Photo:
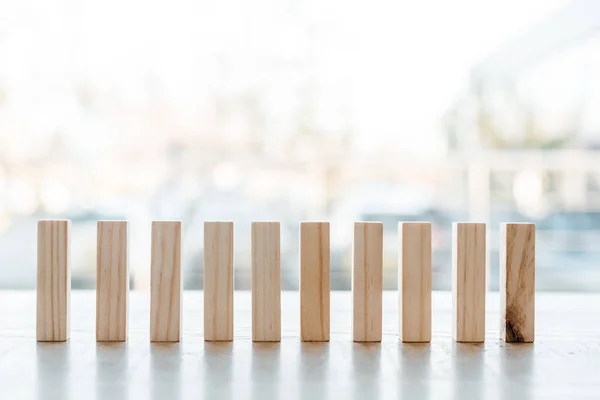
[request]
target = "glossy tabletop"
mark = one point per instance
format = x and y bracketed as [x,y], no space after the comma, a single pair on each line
[563,363]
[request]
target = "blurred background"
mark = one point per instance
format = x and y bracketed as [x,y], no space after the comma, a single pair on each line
[379,110]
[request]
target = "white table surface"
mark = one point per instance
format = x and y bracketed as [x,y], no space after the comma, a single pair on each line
[564,363]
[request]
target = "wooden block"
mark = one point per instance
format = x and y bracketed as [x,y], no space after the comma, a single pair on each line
[517,282]
[165,282]
[266,282]
[112,281]
[414,264]
[468,282]
[53,281]
[367,281]
[314,281]
[218,281]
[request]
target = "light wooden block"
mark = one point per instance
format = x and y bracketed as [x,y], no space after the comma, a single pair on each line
[218,281]
[53,281]
[266,282]
[468,282]
[165,282]
[414,283]
[367,281]
[112,281]
[517,282]
[314,281]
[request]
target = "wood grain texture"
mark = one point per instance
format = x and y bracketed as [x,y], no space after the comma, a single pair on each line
[165,282]
[314,281]
[266,282]
[414,282]
[367,282]
[112,281]
[53,281]
[468,282]
[218,281]
[517,282]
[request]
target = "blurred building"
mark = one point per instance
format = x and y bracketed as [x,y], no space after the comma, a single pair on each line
[540,90]
[531,105]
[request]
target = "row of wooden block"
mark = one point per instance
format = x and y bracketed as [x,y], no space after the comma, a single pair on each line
[517,276]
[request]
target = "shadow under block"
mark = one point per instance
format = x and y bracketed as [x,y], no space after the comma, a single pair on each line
[112,281]
[266,282]
[468,282]
[53,281]
[367,282]
[414,272]
[314,281]
[517,282]
[218,281]
[165,282]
